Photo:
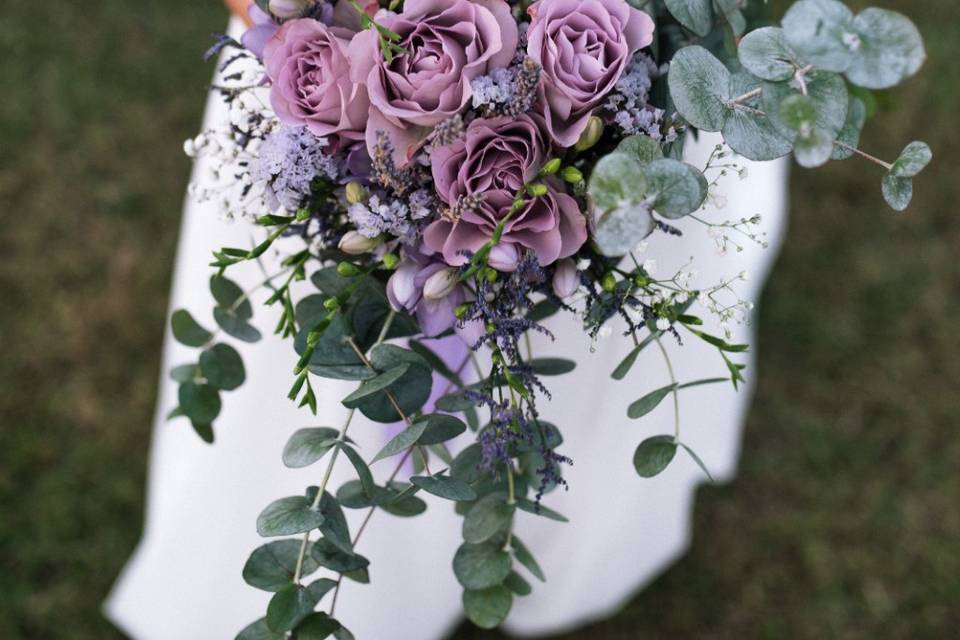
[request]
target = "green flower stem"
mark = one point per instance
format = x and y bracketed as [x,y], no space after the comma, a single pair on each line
[673,381]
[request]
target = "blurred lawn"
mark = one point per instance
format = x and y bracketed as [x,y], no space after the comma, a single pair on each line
[844,521]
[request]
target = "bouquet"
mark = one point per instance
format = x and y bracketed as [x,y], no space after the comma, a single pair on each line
[472,167]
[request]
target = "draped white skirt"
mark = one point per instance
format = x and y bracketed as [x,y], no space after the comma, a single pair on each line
[183,582]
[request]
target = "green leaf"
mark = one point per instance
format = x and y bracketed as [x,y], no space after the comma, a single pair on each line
[236,326]
[185,373]
[827,93]
[749,133]
[552,366]
[618,190]
[342,634]
[204,430]
[445,487]
[898,192]
[188,331]
[852,126]
[679,188]
[478,566]
[411,390]
[797,111]
[306,446]
[222,366]
[199,402]
[466,465]
[518,584]
[695,15]
[363,471]
[440,428]
[819,31]
[540,510]
[406,507]
[488,516]
[765,53]
[524,557]
[288,607]
[334,527]
[260,631]
[318,626]
[435,362]
[813,148]
[375,385]
[288,516]
[719,343]
[912,160]
[733,15]
[649,402]
[402,441]
[643,149]
[653,455]
[699,462]
[271,567]
[227,292]
[487,608]
[454,402]
[699,85]
[332,557]
[890,49]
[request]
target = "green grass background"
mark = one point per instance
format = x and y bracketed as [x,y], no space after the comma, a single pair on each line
[843,521]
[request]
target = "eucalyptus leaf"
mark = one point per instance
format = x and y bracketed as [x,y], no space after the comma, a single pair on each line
[912,160]
[306,446]
[889,49]
[363,471]
[699,462]
[288,607]
[643,149]
[375,385]
[445,487]
[653,455]
[849,135]
[551,366]
[223,367]
[318,626]
[679,188]
[487,608]
[699,86]
[228,294]
[402,441]
[236,326]
[478,566]
[898,192]
[488,516]
[748,130]
[199,402]
[524,557]
[540,510]
[334,527]
[411,391]
[288,516]
[332,557]
[733,15]
[813,148]
[204,430]
[440,428]
[271,567]
[765,53]
[260,631]
[649,402]
[185,373]
[188,331]
[821,31]
[617,189]
[518,584]
[827,93]
[695,15]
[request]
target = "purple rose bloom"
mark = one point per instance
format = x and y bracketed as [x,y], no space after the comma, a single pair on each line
[582,47]
[447,43]
[308,65]
[494,160]
[436,311]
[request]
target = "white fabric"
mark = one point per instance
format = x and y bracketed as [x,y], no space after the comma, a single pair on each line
[184,583]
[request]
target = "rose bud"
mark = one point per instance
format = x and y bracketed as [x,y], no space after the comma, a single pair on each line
[441,284]
[356,244]
[566,278]
[504,257]
[288,8]
[590,135]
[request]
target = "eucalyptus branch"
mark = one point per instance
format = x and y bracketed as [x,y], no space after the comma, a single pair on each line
[852,149]
[673,381]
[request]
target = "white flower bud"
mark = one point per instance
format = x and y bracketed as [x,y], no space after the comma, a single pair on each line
[355,244]
[288,8]
[566,280]
[441,284]
[662,324]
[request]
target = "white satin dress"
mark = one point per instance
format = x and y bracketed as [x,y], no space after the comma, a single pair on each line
[183,582]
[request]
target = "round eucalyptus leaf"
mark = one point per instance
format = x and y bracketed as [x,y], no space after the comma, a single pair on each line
[260,631]
[236,326]
[410,391]
[310,309]
[478,566]
[852,126]
[222,366]
[679,188]
[466,465]
[318,626]
[813,148]
[653,455]
[696,15]
[616,182]
[765,53]
[199,402]
[288,516]
[404,508]
[488,516]
[440,428]
[643,149]
[188,331]
[306,446]
[898,192]
[518,584]
[699,85]
[271,567]
[229,295]
[749,133]
[912,160]
[821,32]
[185,373]
[889,49]
[798,113]
[288,607]
[332,557]
[827,93]
[487,608]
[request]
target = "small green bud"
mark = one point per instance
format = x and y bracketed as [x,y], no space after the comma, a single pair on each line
[591,135]
[572,175]
[489,274]
[390,260]
[355,192]
[347,270]
[609,282]
[331,304]
[462,310]
[537,189]
[640,280]
[303,214]
[551,167]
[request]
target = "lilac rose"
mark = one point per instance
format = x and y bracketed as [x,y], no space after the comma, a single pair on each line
[491,163]
[582,47]
[308,66]
[447,43]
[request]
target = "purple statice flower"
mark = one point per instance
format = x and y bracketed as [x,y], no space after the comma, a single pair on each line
[288,161]
[398,216]
[629,101]
[494,90]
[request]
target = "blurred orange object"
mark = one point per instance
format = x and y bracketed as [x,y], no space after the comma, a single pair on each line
[239,7]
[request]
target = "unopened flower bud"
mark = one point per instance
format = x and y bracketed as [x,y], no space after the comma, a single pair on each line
[347,270]
[355,243]
[462,310]
[572,175]
[288,8]
[504,257]
[551,167]
[609,282]
[566,279]
[537,189]
[441,284]
[390,260]
[591,135]
[355,192]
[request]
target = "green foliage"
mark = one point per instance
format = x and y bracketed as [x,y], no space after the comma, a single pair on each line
[487,608]
[696,15]
[479,566]
[222,367]
[402,441]
[188,331]
[440,428]
[271,567]
[653,455]
[487,517]
[306,446]
[288,516]
[445,487]
[199,402]
[288,607]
